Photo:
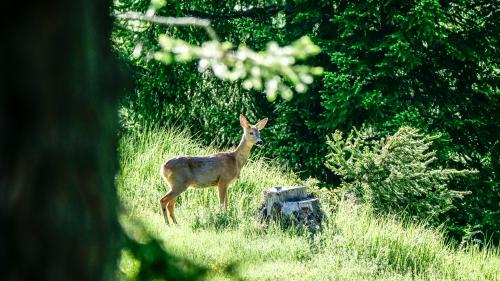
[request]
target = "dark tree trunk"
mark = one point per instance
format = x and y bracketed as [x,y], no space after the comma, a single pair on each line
[58,141]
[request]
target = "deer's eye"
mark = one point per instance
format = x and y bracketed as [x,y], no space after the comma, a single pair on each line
[251,133]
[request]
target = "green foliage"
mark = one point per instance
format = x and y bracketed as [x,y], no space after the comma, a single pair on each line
[232,245]
[394,174]
[427,64]
[272,69]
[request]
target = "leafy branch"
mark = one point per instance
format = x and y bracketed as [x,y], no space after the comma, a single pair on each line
[273,70]
[175,21]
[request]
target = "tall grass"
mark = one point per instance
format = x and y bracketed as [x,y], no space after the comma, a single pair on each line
[352,245]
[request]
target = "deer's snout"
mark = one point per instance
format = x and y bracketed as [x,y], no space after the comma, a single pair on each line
[260,142]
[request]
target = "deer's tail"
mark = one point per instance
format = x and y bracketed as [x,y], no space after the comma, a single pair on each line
[165,171]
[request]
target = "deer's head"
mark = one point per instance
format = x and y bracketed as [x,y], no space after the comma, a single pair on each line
[251,132]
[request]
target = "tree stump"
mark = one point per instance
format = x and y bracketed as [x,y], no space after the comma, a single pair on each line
[291,205]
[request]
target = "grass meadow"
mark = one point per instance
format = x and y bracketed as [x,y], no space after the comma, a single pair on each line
[353,244]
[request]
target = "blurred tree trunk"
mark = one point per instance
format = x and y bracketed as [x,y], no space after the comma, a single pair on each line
[58,142]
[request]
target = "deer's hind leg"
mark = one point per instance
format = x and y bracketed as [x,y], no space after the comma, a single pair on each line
[170,208]
[168,201]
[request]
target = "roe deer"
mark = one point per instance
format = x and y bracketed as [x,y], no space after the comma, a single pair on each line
[219,169]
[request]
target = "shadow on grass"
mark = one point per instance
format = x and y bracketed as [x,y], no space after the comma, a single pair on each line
[146,258]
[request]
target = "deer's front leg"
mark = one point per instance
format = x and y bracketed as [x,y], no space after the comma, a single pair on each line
[223,195]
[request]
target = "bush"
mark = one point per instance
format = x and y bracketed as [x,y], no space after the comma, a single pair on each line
[394,174]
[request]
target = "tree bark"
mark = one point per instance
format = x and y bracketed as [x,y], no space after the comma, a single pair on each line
[58,122]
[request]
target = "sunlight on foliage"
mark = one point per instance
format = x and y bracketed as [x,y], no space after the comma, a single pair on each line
[272,70]
[394,174]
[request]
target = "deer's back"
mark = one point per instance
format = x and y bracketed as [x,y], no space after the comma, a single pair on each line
[201,171]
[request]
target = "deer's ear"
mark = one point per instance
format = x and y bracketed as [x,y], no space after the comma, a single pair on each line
[262,123]
[244,122]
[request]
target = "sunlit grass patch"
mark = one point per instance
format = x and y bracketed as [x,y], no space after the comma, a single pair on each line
[352,244]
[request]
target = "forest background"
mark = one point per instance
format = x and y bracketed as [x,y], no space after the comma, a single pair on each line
[431,65]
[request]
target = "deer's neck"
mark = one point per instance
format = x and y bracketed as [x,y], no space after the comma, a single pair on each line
[242,152]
